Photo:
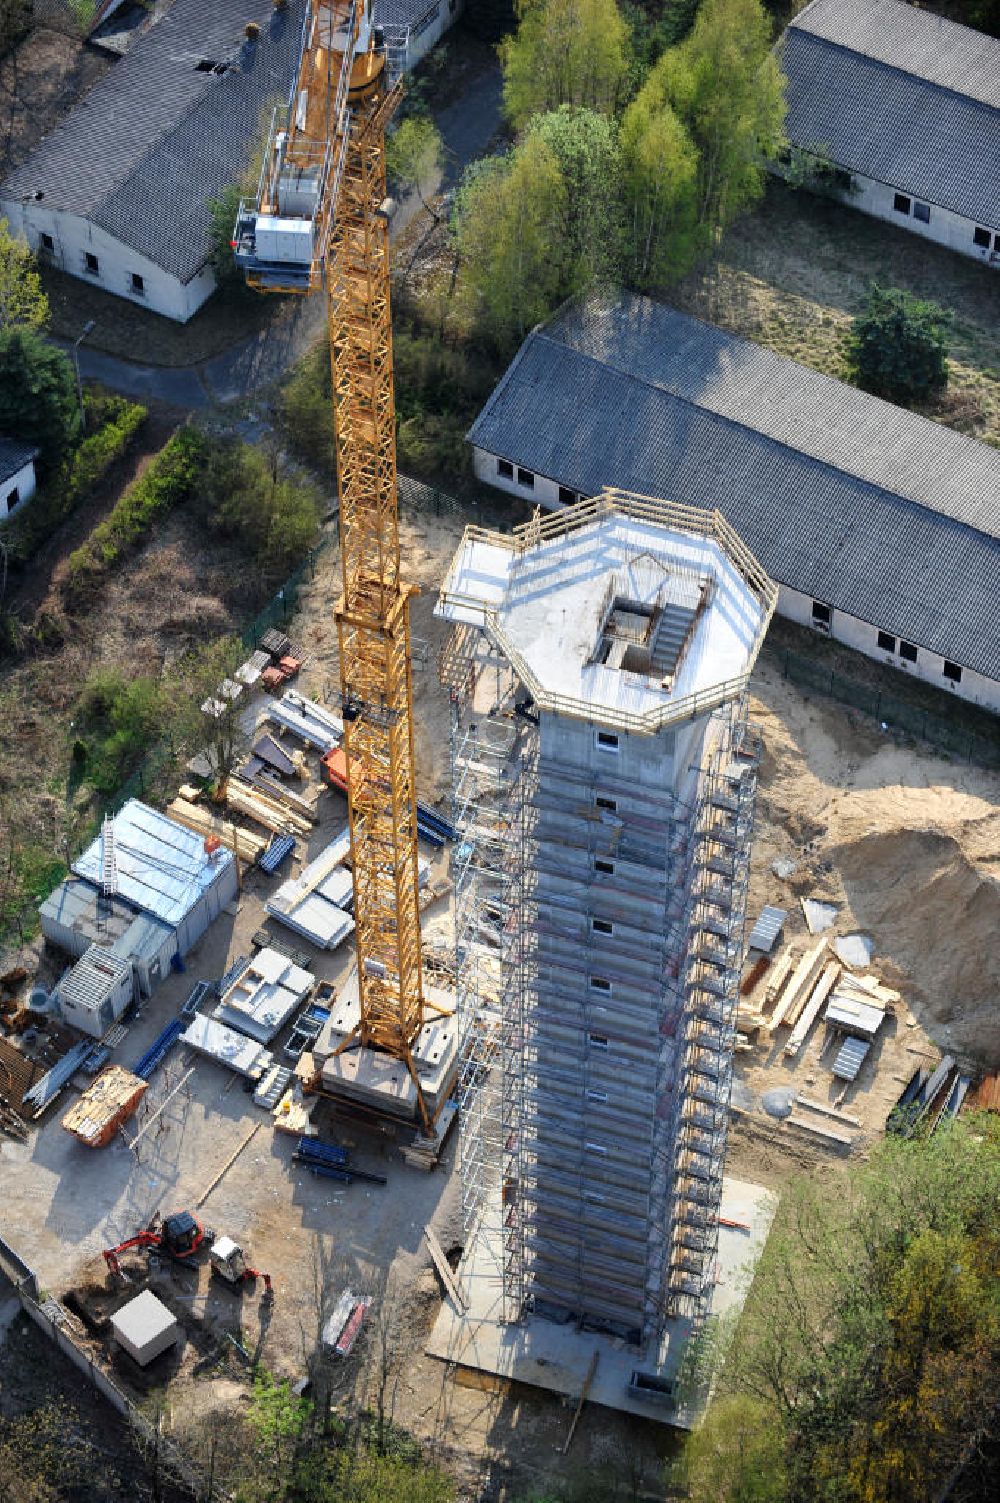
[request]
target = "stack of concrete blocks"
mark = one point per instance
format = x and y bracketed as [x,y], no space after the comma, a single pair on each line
[145,1328]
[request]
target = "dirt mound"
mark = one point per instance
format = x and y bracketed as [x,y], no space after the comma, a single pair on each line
[905,843]
[932,910]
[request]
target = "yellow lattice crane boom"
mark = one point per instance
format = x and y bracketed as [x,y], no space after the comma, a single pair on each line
[320,221]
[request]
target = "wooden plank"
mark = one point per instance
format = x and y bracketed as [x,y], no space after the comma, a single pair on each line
[444,1271]
[810,1012]
[795,993]
[828,1111]
[821,1132]
[584,1391]
[227,1165]
[779,975]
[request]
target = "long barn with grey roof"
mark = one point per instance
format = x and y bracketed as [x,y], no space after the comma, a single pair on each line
[907,106]
[118,193]
[882,528]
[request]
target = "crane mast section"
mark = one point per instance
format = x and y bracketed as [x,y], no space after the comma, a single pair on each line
[373,612]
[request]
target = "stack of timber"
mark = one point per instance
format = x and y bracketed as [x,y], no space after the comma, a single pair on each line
[267,809]
[778,979]
[797,989]
[810,1011]
[243,843]
[104,1106]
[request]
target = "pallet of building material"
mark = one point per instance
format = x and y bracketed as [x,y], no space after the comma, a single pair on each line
[113,1097]
[285,798]
[778,979]
[293,1113]
[424,1152]
[245,844]
[811,1011]
[798,987]
[227,1047]
[263,810]
[272,1086]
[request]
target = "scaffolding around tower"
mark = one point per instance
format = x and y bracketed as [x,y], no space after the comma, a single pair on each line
[604,775]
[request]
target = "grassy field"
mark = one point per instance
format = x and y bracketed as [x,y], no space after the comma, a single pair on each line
[793,274]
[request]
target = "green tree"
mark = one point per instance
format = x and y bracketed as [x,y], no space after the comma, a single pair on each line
[15,21]
[204,717]
[871,1336]
[509,216]
[736,1455]
[413,158]
[726,88]
[222,221]
[23,302]
[563,52]
[659,186]
[898,346]
[38,399]
[249,496]
[585,147]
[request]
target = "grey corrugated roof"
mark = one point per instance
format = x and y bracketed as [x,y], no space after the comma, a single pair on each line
[14,455]
[914,41]
[881,514]
[156,138]
[402,12]
[899,96]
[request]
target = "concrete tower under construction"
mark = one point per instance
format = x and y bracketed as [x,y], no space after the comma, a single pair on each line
[604,775]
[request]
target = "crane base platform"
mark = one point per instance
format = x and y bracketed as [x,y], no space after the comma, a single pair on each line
[380,1082]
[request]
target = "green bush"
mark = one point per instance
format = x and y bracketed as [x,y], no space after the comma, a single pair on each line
[116,719]
[167,482]
[38,399]
[898,347]
[249,496]
[305,411]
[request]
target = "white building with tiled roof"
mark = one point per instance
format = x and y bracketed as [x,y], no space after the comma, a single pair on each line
[118,192]
[907,105]
[17,475]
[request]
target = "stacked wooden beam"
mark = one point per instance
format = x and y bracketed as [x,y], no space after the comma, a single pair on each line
[797,989]
[810,1011]
[244,843]
[265,809]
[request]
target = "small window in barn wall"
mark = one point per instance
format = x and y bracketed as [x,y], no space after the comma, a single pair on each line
[601,802]
[505,469]
[952,671]
[907,652]
[606,868]
[602,926]
[901,204]
[138,286]
[567,497]
[981,237]
[48,244]
[13,498]
[821,616]
[606,741]
[526,478]
[91,264]
[922,212]
[886,642]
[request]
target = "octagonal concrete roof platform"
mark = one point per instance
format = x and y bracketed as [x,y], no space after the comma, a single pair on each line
[625,609]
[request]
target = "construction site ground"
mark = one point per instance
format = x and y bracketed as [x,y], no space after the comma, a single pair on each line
[903,841]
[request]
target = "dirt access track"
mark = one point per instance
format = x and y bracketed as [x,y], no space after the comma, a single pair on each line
[902,841]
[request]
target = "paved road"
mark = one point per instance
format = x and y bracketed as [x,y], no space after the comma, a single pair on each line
[466,126]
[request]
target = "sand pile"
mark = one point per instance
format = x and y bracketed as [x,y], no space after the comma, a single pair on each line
[906,844]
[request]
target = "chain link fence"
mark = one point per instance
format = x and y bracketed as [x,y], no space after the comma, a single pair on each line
[893,714]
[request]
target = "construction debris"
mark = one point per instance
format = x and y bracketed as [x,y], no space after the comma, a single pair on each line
[855,950]
[799,987]
[766,930]
[818,916]
[811,1011]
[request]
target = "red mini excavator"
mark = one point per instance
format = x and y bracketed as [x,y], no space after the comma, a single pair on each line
[180,1236]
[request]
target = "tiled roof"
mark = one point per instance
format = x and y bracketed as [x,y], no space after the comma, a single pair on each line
[157,137]
[880,513]
[14,455]
[911,40]
[900,96]
[402,12]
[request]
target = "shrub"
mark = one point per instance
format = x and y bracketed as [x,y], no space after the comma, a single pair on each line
[305,411]
[167,482]
[251,498]
[898,348]
[116,719]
